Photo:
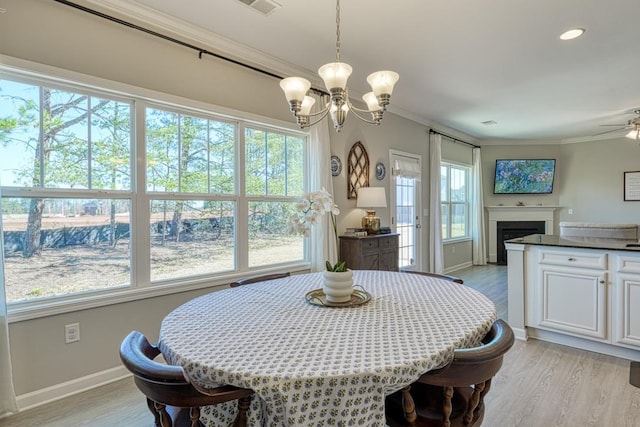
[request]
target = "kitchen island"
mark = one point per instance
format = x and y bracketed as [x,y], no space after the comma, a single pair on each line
[582,292]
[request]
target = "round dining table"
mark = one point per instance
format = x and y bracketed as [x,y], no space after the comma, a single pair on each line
[315,365]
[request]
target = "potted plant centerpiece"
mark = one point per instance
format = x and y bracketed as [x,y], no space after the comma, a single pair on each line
[338,279]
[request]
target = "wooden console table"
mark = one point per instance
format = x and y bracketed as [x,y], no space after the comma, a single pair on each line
[375,252]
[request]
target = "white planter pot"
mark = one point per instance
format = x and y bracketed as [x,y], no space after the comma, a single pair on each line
[338,287]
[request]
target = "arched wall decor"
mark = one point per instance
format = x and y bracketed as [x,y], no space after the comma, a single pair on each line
[358,161]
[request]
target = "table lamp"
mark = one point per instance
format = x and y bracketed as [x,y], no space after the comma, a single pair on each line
[371,197]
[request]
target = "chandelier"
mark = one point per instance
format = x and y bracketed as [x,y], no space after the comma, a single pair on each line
[335,75]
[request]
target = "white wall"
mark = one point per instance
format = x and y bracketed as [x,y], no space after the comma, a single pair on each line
[394,132]
[591,181]
[54,34]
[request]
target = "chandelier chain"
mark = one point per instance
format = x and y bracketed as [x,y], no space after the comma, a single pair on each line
[335,75]
[338,31]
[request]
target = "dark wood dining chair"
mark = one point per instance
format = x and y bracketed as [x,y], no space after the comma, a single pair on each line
[453,396]
[255,279]
[439,276]
[172,399]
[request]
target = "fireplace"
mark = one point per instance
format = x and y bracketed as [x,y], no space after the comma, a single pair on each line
[497,214]
[507,230]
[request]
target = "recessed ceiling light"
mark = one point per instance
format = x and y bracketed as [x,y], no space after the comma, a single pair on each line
[572,34]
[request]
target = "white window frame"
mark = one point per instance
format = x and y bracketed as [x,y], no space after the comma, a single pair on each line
[141,287]
[452,165]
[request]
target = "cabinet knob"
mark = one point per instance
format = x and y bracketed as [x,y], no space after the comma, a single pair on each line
[602,281]
[571,259]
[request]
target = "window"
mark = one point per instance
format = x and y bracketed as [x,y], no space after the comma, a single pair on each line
[191,183]
[65,164]
[454,198]
[80,209]
[274,183]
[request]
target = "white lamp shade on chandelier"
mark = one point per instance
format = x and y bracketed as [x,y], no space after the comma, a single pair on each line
[382,82]
[295,88]
[335,76]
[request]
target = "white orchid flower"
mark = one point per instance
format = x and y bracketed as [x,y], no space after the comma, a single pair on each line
[310,208]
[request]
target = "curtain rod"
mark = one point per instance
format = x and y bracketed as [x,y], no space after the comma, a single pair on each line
[454,139]
[200,50]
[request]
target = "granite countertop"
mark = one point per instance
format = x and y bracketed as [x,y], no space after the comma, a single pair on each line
[578,242]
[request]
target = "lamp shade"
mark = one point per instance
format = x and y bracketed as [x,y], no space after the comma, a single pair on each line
[295,88]
[371,197]
[372,101]
[382,82]
[307,103]
[335,75]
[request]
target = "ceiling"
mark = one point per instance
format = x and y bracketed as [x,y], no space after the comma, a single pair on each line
[461,62]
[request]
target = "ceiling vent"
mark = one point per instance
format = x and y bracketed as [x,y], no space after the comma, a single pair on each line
[263,6]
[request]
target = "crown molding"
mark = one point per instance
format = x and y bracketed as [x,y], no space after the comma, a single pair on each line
[591,138]
[163,23]
[206,39]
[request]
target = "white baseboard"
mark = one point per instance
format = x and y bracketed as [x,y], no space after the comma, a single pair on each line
[584,344]
[78,385]
[520,334]
[462,266]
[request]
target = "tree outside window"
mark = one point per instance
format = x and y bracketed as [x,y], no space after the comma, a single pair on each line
[75,205]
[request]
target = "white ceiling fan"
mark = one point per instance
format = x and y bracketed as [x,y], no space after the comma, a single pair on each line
[633,125]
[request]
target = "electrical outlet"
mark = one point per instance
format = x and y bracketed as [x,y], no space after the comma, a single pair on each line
[71,333]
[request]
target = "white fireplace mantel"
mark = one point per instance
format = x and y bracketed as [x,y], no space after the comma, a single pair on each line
[516,213]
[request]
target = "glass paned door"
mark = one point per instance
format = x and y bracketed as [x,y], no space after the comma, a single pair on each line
[405,197]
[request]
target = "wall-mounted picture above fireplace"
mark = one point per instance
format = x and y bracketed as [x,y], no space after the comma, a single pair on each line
[524,176]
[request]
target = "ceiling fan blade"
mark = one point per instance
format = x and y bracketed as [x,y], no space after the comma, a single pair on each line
[609,131]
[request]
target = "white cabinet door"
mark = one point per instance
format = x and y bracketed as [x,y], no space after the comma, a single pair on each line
[626,303]
[627,309]
[572,300]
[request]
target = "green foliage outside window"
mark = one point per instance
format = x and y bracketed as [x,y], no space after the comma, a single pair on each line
[67,161]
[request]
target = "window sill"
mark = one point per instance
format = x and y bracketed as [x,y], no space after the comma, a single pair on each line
[457,240]
[27,310]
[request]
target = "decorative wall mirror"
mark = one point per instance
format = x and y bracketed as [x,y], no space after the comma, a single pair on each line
[358,161]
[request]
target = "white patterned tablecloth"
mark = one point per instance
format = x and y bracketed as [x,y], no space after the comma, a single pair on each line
[322,366]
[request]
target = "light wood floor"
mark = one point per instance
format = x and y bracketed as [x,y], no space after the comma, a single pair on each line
[540,385]
[491,280]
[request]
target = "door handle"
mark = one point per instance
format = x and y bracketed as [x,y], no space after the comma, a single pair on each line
[418,225]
